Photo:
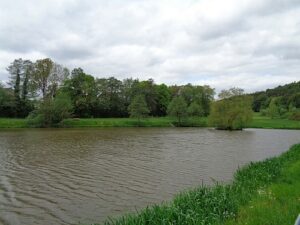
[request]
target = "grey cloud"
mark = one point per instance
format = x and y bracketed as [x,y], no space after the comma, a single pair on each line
[229,43]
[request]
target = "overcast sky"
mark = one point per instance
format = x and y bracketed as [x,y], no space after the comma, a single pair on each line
[252,44]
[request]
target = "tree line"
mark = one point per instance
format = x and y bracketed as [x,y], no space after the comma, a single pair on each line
[46,88]
[280,102]
[46,93]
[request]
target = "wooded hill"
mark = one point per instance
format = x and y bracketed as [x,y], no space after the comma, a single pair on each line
[285,96]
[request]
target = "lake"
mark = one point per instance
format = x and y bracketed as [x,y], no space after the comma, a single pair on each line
[72,176]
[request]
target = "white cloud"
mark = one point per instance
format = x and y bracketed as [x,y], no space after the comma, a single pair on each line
[253,44]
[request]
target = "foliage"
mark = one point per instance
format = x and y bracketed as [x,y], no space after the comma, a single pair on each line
[33,82]
[195,109]
[138,107]
[20,72]
[132,122]
[235,91]
[286,95]
[231,114]
[163,99]
[295,116]
[7,102]
[81,88]
[178,108]
[47,77]
[51,112]
[202,95]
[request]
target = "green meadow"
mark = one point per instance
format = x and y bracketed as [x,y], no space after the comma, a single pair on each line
[257,122]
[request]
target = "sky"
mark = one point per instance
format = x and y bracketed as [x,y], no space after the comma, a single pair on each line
[251,44]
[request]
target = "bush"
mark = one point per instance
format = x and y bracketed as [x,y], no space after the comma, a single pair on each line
[232,113]
[178,108]
[295,116]
[51,112]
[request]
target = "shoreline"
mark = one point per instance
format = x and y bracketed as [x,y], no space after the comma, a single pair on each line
[258,122]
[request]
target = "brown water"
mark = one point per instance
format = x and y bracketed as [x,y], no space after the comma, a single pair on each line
[71,176]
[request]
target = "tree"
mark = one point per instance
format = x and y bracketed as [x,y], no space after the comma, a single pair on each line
[47,77]
[202,95]
[163,99]
[7,102]
[52,111]
[147,88]
[138,107]
[20,72]
[235,91]
[273,109]
[110,95]
[195,109]
[27,71]
[82,91]
[287,94]
[231,114]
[178,108]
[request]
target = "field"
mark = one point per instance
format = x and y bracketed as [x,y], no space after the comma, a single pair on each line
[258,122]
[130,122]
[13,123]
[266,122]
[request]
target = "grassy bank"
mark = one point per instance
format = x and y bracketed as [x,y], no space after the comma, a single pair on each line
[258,122]
[266,122]
[111,122]
[13,123]
[130,122]
[278,203]
[266,192]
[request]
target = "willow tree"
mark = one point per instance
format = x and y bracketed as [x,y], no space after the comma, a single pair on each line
[231,113]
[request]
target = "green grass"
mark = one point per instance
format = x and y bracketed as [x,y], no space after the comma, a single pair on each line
[13,123]
[276,204]
[130,122]
[266,192]
[266,122]
[258,122]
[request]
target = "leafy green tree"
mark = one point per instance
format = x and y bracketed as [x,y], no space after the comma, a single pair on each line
[203,95]
[163,99]
[289,93]
[231,113]
[178,108]
[195,109]
[82,90]
[148,89]
[20,71]
[273,110]
[235,91]
[110,95]
[138,107]
[48,76]
[7,102]
[52,111]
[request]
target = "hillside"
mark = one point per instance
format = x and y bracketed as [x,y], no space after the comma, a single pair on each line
[286,96]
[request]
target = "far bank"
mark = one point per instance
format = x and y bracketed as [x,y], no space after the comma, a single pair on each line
[257,122]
